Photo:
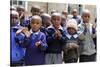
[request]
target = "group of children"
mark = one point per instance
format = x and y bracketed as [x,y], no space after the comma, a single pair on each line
[50,39]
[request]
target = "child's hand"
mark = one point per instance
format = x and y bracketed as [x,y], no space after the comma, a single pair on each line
[57,34]
[19,31]
[37,44]
[69,46]
[22,15]
[26,32]
[72,46]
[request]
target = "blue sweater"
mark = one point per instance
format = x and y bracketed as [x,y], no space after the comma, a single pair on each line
[77,19]
[55,45]
[16,52]
[25,22]
[34,55]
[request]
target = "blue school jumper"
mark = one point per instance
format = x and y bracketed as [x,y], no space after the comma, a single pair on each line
[25,22]
[77,19]
[43,29]
[55,45]
[16,52]
[34,55]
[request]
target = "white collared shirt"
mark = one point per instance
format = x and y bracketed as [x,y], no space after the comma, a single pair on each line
[60,27]
[69,36]
[34,32]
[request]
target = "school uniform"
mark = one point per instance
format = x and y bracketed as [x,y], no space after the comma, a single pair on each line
[77,19]
[34,55]
[71,55]
[87,46]
[25,22]
[54,50]
[16,52]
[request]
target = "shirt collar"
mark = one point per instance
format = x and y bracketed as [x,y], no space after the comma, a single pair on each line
[34,32]
[51,26]
[69,36]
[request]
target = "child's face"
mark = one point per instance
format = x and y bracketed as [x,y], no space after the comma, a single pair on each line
[71,30]
[35,25]
[46,22]
[64,13]
[20,11]
[13,20]
[56,21]
[35,11]
[74,13]
[86,18]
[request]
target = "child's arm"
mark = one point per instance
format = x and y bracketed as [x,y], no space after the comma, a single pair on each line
[81,36]
[23,30]
[50,36]
[62,36]
[42,43]
[22,38]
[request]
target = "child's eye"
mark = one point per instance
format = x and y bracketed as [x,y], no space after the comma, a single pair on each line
[37,23]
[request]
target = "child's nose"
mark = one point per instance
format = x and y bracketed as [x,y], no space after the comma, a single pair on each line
[56,21]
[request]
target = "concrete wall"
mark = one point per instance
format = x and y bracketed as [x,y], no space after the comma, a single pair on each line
[47,7]
[43,5]
[93,11]
[56,6]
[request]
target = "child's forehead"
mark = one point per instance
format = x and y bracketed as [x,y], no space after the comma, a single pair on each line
[71,29]
[36,18]
[36,7]
[86,14]
[56,15]
[45,15]
[35,21]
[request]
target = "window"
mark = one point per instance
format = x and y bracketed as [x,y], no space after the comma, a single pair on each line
[80,9]
[20,3]
[16,2]
[74,6]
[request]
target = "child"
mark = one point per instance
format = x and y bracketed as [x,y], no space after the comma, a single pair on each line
[46,21]
[55,40]
[21,11]
[74,13]
[63,21]
[71,47]
[16,52]
[34,42]
[65,13]
[35,10]
[87,47]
